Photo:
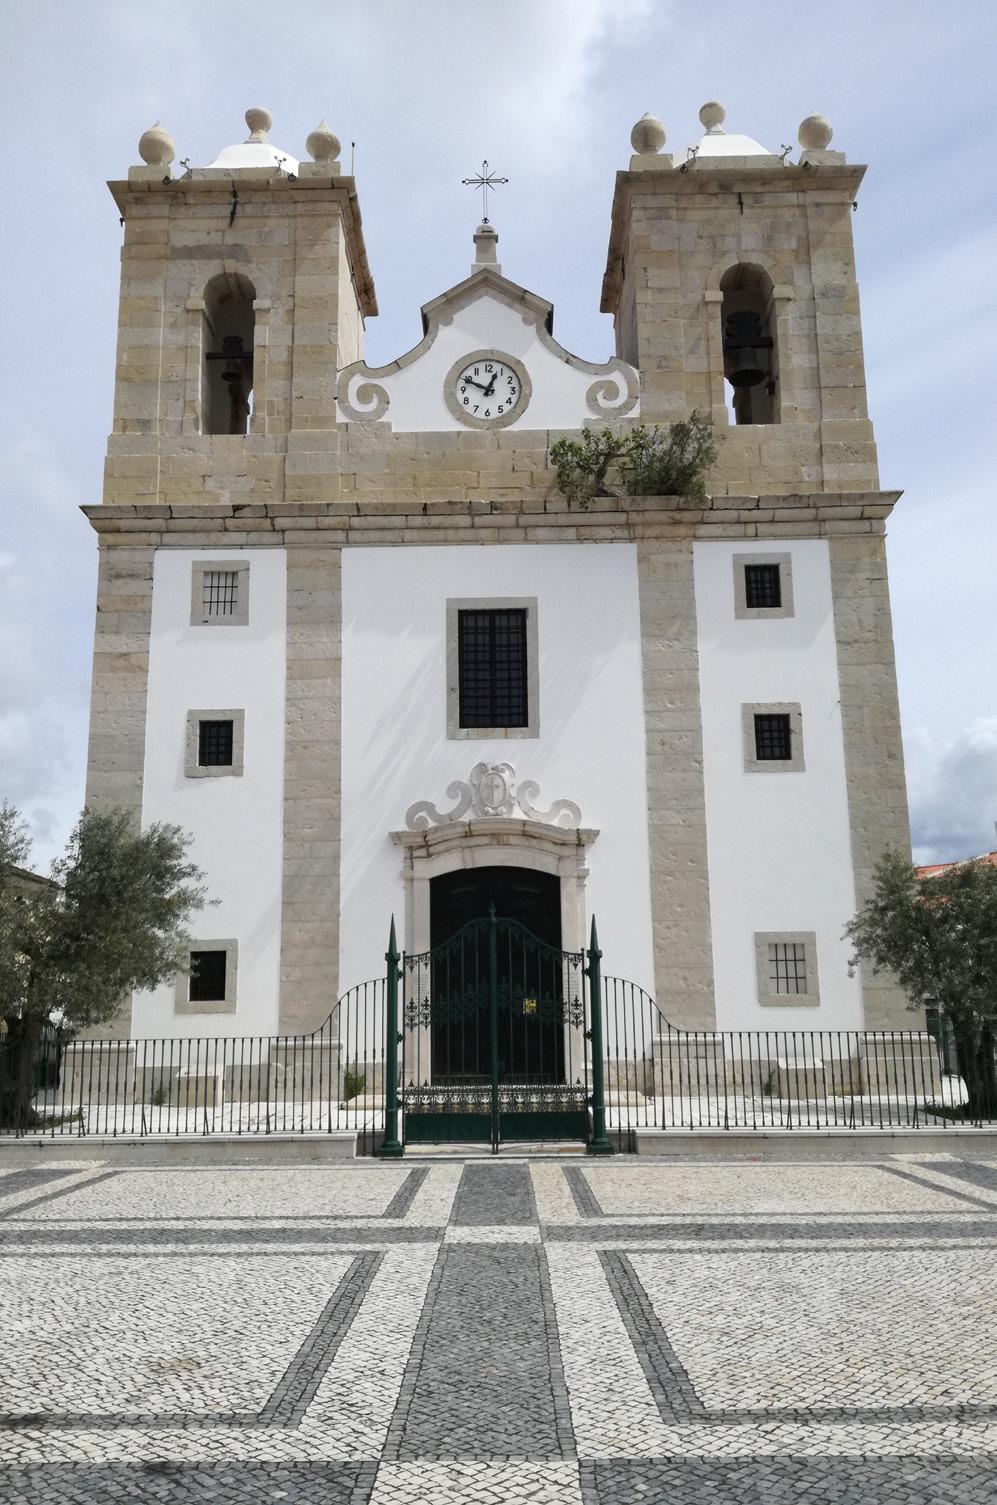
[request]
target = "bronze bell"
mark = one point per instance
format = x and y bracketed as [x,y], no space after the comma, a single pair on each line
[745,369]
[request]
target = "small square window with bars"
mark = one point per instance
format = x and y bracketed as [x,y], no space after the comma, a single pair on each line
[215,744]
[773,738]
[207,977]
[762,586]
[492,668]
[220,593]
[787,967]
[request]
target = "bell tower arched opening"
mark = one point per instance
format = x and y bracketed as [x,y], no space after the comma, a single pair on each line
[228,340]
[751,363]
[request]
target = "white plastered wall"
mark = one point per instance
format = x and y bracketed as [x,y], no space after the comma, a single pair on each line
[591,743]
[236,822]
[778,842]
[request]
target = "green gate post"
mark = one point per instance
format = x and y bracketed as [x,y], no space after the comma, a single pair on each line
[493,1018]
[599,1143]
[392,1148]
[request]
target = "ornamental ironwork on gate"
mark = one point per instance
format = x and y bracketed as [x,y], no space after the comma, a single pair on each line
[499,1037]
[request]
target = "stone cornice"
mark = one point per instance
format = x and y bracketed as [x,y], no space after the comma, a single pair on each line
[262,525]
[263,184]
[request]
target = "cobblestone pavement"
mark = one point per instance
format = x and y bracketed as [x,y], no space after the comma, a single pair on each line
[549,1330]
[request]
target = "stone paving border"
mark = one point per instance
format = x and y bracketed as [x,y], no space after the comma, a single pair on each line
[398,1207]
[773,1480]
[774,1232]
[959,1196]
[673,1390]
[287,1403]
[491,1196]
[676,1397]
[216,1240]
[224,1483]
[477,1408]
[26,1178]
[582,1194]
[60,1191]
[976,1172]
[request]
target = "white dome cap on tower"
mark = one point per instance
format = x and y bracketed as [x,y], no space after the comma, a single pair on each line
[717,143]
[256,150]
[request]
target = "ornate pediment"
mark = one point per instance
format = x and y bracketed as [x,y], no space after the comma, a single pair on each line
[486,317]
[492,790]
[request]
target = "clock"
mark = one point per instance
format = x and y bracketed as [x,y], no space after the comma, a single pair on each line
[487,389]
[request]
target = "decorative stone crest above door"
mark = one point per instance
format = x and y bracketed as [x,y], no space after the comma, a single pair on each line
[494,823]
[491,790]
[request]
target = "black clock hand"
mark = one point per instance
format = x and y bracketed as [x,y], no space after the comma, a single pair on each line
[491,385]
[470,382]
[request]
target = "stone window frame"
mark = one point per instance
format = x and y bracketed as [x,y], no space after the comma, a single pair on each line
[182,1003]
[195,770]
[457,604]
[808,940]
[744,612]
[198,570]
[752,764]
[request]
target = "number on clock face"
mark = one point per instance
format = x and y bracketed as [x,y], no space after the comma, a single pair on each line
[488,389]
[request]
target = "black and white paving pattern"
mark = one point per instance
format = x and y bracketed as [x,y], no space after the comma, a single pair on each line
[447,1332]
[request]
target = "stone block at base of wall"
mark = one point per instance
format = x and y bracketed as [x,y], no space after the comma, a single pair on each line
[904,1065]
[98,1071]
[901,1065]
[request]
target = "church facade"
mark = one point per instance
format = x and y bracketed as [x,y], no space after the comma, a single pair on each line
[352,637]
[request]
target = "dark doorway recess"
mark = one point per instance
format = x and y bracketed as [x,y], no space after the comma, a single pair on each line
[530,982]
[518,893]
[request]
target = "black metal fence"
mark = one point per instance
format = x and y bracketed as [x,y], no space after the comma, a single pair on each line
[319,1083]
[660,1077]
[340,1079]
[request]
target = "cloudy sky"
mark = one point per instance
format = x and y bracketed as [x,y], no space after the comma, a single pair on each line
[548,91]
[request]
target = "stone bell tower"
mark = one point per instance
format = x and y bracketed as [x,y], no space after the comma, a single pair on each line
[735,242]
[244,289]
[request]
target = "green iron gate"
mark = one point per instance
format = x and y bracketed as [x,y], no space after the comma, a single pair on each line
[499,1038]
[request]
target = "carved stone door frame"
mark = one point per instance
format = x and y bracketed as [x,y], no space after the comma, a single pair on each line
[494,841]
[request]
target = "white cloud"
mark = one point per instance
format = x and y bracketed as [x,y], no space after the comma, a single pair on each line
[46,608]
[953,793]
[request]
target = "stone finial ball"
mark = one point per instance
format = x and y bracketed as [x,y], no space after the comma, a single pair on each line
[815,133]
[712,114]
[648,135]
[259,121]
[323,144]
[156,147]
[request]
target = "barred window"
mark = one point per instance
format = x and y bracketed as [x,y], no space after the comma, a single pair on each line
[762,586]
[773,738]
[207,976]
[214,744]
[492,668]
[787,967]
[220,593]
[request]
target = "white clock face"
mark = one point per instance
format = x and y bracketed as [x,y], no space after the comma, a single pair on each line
[488,390]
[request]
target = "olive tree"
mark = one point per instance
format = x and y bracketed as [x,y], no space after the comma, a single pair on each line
[113,918]
[938,935]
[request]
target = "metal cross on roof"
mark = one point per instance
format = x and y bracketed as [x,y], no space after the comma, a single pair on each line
[484,180]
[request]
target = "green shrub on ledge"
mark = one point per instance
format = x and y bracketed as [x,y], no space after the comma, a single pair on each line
[640,462]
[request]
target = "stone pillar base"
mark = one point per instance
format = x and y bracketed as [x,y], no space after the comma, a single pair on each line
[900,1065]
[98,1071]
